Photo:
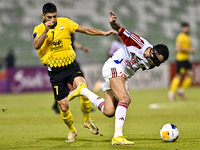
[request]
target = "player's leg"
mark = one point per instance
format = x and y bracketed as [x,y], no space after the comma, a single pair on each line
[186,83]
[95,99]
[175,81]
[86,107]
[68,119]
[110,104]
[77,78]
[61,90]
[120,91]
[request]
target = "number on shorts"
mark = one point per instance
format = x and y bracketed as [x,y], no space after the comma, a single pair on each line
[56,87]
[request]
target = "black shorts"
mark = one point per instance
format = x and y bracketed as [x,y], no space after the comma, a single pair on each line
[182,66]
[60,78]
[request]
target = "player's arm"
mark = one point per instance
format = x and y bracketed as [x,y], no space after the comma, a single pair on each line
[92,31]
[38,41]
[79,46]
[180,49]
[129,38]
[115,25]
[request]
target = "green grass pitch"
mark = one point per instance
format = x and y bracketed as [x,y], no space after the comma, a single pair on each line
[27,122]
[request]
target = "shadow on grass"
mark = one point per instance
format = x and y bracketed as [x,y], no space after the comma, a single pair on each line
[52,139]
[97,140]
[77,139]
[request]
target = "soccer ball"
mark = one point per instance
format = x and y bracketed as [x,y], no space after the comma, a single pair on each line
[169,132]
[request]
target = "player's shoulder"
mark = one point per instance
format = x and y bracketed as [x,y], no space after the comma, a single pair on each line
[145,41]
[63,19]
[40,26]
[181,35]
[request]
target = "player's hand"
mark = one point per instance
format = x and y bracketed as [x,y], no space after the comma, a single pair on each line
[48,25]
[114,24]
[110,32]
[87,50]
[191,50]
[112,17]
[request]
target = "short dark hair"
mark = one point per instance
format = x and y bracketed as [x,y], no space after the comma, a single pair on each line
[162,49]
[185,24]
[49,8]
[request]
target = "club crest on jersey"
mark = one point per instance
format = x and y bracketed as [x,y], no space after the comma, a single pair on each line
[62,27]
[34,35]
[127,33]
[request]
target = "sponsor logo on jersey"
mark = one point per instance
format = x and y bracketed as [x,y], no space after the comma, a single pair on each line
[117,61]
[127,33]
[62,27]
[56,44]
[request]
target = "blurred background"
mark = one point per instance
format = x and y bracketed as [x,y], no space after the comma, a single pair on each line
[156,20]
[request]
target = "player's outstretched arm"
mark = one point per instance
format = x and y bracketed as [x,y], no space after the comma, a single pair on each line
[115,25]
[92,31]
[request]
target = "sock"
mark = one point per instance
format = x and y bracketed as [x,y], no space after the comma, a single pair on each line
[174,84]
[95,99]
[120,115]
[68,119]
[186,83]
[86,107]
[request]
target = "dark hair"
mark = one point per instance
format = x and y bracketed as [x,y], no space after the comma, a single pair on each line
[49,8]
[185,24]
[162,49]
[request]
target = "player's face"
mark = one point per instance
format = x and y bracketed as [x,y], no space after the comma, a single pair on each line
[156,59]
[186,29]
[50,17]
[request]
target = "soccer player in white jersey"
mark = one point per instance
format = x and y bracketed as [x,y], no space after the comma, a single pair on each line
[135,54]
[116,44]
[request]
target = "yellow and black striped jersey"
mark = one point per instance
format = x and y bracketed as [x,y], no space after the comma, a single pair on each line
[56,50]
[184,41]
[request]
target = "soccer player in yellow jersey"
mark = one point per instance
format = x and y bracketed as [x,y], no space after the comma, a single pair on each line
[53,41]
[184,49]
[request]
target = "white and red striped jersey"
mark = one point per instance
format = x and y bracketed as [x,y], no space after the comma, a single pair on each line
[131,56]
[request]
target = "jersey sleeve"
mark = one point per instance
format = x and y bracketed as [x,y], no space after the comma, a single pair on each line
[131,39]
[179,40]
[36,32]
[72,25]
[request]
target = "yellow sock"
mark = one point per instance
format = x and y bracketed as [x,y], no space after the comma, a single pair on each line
[86,107]
[68,119]
[186,83]
[174,84]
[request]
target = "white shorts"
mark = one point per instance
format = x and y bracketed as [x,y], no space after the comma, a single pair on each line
[111,70]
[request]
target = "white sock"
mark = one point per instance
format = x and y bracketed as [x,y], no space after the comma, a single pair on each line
[120,115]
[95,99]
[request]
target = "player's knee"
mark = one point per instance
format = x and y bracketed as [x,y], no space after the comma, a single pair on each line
[64,108]
[109,113]
[126,99]
[190,74]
